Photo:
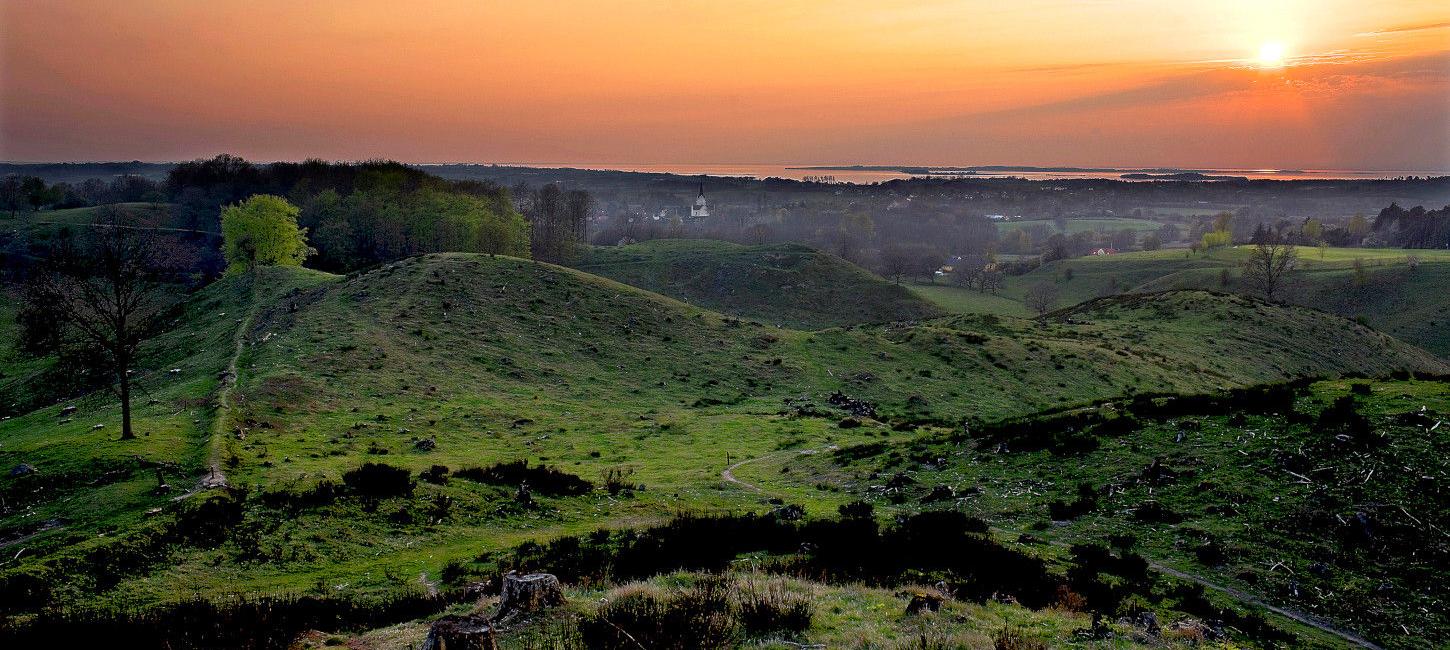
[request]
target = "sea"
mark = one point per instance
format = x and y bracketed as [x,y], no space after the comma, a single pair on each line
[881,173]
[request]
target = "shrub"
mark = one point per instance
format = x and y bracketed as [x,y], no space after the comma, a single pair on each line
[1011,639]
[616,480]
[541,479]
[379,480]
[640,616]
[437,475]
[773,609]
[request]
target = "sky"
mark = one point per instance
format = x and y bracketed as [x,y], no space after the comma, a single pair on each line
[1257,84]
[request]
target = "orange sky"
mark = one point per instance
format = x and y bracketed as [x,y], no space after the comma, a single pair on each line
[1048,82]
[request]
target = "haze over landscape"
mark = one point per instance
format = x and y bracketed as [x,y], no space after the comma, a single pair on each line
[686,325]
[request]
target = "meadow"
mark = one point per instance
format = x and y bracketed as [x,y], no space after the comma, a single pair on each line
[451,367]
[1386,291]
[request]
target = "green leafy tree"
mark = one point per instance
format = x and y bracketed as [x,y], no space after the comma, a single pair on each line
[262,231]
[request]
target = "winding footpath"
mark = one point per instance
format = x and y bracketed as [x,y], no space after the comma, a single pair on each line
[217,437]
[1237,594]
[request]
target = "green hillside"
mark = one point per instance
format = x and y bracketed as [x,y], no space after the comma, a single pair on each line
[784,284]
[1386,294]
[460,361]
[1336,513]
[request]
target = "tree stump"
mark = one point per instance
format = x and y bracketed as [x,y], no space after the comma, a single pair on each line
[461,633]
[528,593]
[924,600]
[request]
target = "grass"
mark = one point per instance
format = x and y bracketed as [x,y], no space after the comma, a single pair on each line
[1083,225]
[1276,496]
[784,284]
[1388,296]
[494,359]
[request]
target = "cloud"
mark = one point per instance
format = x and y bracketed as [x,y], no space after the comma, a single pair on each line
[1403,29]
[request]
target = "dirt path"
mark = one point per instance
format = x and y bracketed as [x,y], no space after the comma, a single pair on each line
[214,477]
[1243,597]
[729,473]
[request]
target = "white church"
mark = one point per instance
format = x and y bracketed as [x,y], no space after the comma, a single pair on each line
[700,210]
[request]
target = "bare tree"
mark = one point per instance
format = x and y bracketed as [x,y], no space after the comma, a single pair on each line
[1041,297]
[108,295]
[991,280]
[967,273]
[1268,267]
[895,261]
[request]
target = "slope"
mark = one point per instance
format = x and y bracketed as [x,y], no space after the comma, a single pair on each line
[1326,500]
[461,361]
[786,284]
[1400,292]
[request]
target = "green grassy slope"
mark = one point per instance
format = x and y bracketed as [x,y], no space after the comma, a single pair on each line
[783,284]
[1279,505]
[492,359]
[1389,296]
[88,482]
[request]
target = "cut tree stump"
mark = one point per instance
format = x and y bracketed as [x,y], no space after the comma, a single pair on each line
[528,593]
[461,633]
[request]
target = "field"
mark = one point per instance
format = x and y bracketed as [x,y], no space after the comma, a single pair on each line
[1387,294]
[1083,225]
[782,284]
[458,361]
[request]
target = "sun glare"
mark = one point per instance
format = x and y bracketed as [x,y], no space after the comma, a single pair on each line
[1271,55]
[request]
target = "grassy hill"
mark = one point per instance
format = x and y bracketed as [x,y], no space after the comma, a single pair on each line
[465,361]
[1286,498]
[785,284]
[1387,294]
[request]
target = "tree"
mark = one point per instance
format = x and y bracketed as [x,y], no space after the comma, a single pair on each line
[106,294]
[1125,239]
[13,194]
[1041,297]
[967,273]
[262,231]
[1268,267]
[1358,227]
[927,261]
[991,280]
[1152,242]
[1313,230]
[896,261]
[1216,239]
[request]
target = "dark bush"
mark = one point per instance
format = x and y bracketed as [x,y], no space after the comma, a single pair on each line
[437,475]
[1154,512]
[379,480]
[1343,417]
[252,623]
[205,521]
[688,619]
[773,609]
[295,498]
[1086,501]
[541,479]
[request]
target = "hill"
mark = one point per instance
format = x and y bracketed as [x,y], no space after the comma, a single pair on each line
[1323,498]
[1380,287]
[785,284]
[456,365]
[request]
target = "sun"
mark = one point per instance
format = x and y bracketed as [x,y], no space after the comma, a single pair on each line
[1271,55]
